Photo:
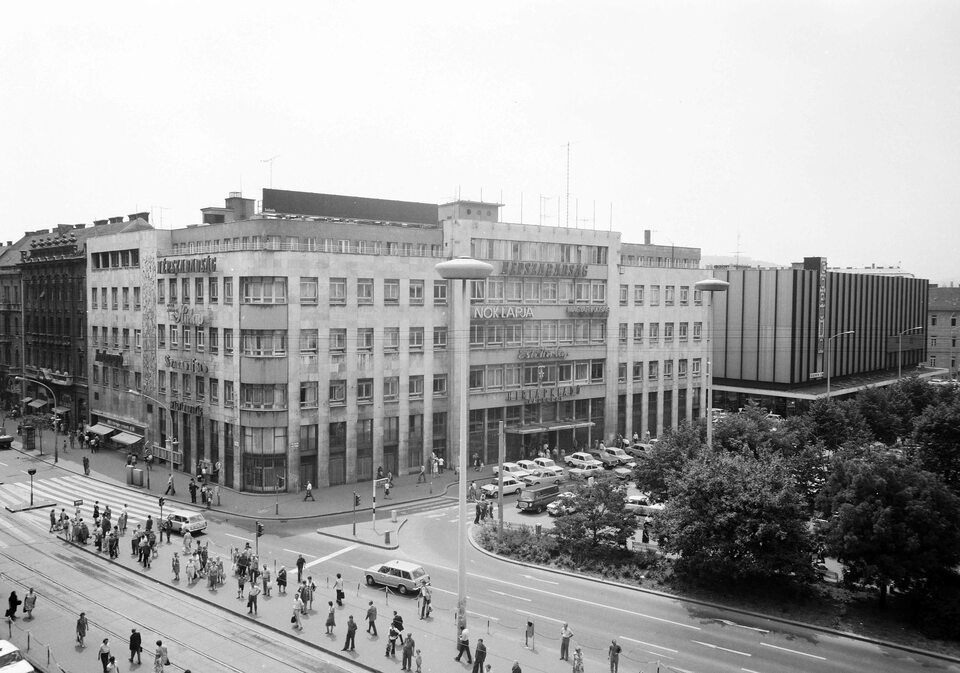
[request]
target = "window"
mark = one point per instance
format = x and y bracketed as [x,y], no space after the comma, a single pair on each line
[137,381]
[477,377]
[174,336]
[494,377]
[416,293]
[137,339]
[93,298]
[364,290]
[214,287]
[264,290]
[697,297]
[174,384]
[953,321]
[229,399]
[214,391]
[186,337]
[582,291]
[161,380]
[653,370]
[161,336]
[365,391]
[308,394]
[654,295]
[531,291]
[126,298]
[624,294]
[416,388]
[338,340]
[638,371]
[697,330]
[263,342]
[126,339]
[439,292]
[668,295]
[695,367]
[598,291]
[439,338]
[416,338]
[684,295]
[638,332]
[308,290]
[596,371]
[201,388]
[933,342]
[213,338]
[198,291]
[338,291]
[391,388]
[227,297]
[683,331]
[681,369]
[654,331]
[113,298]
[933,360]
[338,392]
[548,289]
[440,385]
[391,291]
[477,335]
[227,342]
[668,331]
[308,341]
[565,295]
[161,286]
[94,335]
[622,333]
[200,336]
[365,339]
[514,290]
[511,375]
[263,395]
[185,282]
[668,369]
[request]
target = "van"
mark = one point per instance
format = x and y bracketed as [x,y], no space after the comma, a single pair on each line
[184,522]
[537,499]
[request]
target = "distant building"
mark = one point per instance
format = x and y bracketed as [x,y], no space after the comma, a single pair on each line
[942,329]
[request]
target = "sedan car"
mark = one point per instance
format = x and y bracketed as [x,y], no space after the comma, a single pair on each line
[583,460]
[638,450]
[541,476]
[510,485]
[12,659]
[584,473]
[642,505]
[511,469]
[621,455]
[548,465]
[566,503]
[526,465]
[403,576]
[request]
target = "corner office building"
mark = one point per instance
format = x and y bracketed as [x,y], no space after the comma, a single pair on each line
[311,341]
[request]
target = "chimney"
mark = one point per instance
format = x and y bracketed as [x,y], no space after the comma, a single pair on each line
[116,220]
[98,223]
[139,216]
[646,237]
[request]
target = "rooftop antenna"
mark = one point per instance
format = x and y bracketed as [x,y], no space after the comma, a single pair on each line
[567,218]
[270,161]
[161,209]
[737,251]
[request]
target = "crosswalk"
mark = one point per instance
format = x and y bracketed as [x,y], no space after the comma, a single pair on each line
[64,491]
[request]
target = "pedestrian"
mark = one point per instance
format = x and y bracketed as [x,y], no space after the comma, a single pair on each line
[157,662]
[331,618]
[408,647]
[112,663]
[386,489]
[311,592]
[309,494]
[479,508]
[578,660]
[422,477]
[162,653]
[392,637]
[372,618]
[252,598]
[350,642]
[170,488]
[338,587]
[81,629]
[53,520]
[295,619]
[479,656]
[300,563]
[565,635]
[282,580]
[192,487]
[175,564]
[528,638]
[29,602]
[516,664]
[265,576]
[12,604]
[418,660]
[104,653]
[613,654]
[136,645]
[241,581]
[426,597]
[86,465]
[463,645]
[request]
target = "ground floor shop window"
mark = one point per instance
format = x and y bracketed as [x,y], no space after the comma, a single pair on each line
[262,472]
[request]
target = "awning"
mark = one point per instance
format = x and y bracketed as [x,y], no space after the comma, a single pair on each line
[101,430]
[126,438]
[61,410]
[26,400]
[537,428]
[38,404]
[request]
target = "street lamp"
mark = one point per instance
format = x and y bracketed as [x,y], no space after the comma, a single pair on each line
[709,286]
[830,355]
[900,348]
[462,269]
[170,439]
[56,448]
[32,471]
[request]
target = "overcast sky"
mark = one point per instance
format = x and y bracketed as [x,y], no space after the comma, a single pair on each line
[779,129]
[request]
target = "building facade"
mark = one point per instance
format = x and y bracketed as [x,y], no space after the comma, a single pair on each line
[943,333]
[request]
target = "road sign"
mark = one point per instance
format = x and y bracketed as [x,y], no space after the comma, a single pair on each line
[77,503]
[816,375]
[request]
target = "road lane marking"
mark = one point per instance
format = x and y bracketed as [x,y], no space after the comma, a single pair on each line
[725,649]
[537,579]
[748,670]
[519,598]
[245,539]
[480,614]
[743,626]
[659,647]
[293,551]
[534,614]
[330,556]
[787,649]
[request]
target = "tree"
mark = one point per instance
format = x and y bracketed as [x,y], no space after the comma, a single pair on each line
[882,414]
[836,424]
[889,521]
[737,517]
[659,467]
[937,437]
[600,518]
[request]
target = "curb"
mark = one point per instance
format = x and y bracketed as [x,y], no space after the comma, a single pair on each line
[717,606]
[27,508]
[348,538]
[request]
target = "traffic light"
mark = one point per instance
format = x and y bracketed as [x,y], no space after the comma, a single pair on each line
[259,529]
[281,482]
[162,501]
[356,499]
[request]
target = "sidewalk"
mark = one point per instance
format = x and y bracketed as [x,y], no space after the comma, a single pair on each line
[111,466]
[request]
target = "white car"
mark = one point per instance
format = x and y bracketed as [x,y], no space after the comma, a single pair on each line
[12,660]
[511,469]
[404,576]
[510,485]
[582,460]
[550,466]
[624,457]
[584,473]
[566,503]
[527,465]
[540,475]
[642,505]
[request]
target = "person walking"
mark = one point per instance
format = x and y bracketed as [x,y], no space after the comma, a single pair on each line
[112,663]
[252,598]
[81,629]
[516,664]
[282,580]
[578,660]
[479,656]
[161,654]
[29,603]
[565,635]
[613,654]
[463,645]
[295,619]
[331,618]
[300,563]
[309,494]
[86,465]
[418,660]
[338,587]
[426,597]
[170,489]
[350,643]
[372,618]
[422,477]
[12,604]
[136,645]
[407,654]
[104,653]
[392,638]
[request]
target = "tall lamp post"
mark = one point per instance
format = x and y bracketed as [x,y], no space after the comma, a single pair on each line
[900,348]
[709,286]
[56,447]
[830,355]
[170,439]
[462,269]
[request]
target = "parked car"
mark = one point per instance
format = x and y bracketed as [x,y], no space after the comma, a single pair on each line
[550,466]
[12,659]
[621,455]
[541,476]
[403,576]
[512,469]
[623,473]
[184,522]
[527,465]
[604,456]
[566,503]
[510,485]
[642,505]
[582,460]
[584,473]
[638,450]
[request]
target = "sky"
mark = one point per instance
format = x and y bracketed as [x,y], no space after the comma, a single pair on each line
[770,129]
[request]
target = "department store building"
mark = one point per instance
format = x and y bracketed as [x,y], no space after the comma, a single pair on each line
[309,339]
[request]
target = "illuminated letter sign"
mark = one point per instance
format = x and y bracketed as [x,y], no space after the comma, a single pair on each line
[193,265]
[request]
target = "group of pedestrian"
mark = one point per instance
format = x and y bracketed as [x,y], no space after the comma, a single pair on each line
[29,602]
[108,660]
[484,509]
